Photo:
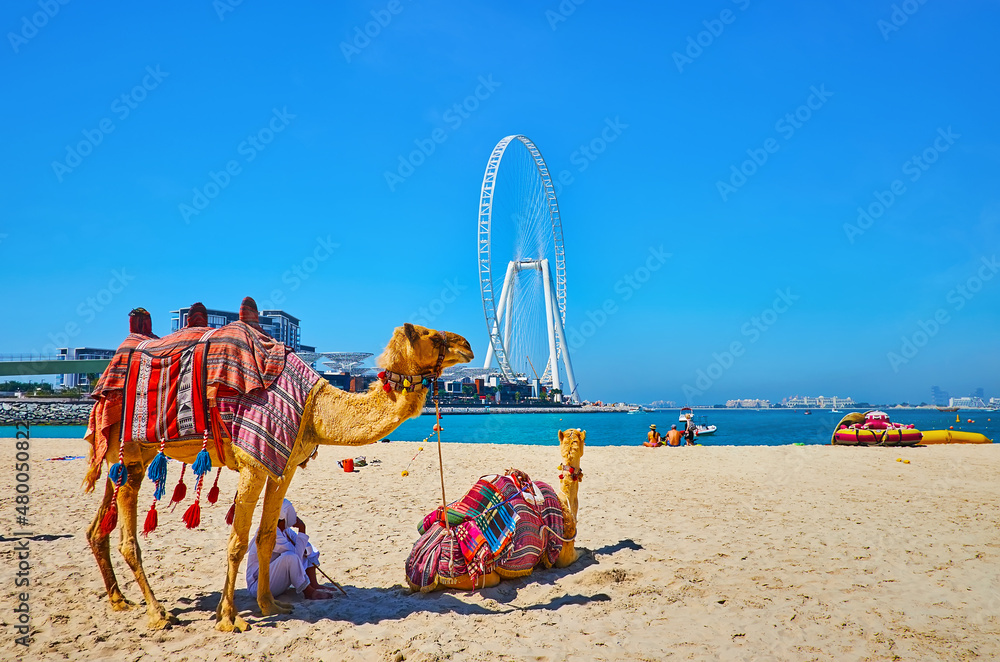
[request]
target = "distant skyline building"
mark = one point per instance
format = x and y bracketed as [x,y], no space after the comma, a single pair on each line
[276,323]
[979,393]
[970,402]
[938,397]
[748,403]
[73,380]
[821,402]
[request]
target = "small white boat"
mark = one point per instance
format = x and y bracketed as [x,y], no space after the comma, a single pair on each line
[700,423]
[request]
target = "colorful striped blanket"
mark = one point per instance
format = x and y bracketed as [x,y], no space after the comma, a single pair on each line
[512,543]
[162,389]
[266,423]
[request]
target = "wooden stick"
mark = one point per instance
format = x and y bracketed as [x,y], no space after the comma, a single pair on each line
[316,565]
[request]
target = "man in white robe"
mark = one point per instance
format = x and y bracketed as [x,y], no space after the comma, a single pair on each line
[293,561]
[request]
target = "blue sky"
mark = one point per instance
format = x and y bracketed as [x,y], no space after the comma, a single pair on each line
[832,102]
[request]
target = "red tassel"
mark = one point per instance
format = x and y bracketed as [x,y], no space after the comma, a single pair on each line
[381,376]
[231,515]
[213,494]
[180,489]
[110,520]
[192,517]
[387,387]
[150,524]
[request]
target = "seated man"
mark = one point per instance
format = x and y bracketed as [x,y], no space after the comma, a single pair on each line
[293,561]
[674,436]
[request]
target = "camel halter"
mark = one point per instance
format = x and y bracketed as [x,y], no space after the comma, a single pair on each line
[397,381]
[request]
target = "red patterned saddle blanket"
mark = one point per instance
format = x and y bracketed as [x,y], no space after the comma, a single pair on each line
[164,389]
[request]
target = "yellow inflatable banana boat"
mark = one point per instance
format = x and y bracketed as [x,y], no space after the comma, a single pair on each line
[954,437]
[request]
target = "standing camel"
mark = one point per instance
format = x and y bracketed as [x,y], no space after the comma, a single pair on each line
[413,358]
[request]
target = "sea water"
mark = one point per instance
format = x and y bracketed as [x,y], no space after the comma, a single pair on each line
[774,427]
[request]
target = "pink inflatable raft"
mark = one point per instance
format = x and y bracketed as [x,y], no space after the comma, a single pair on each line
[876,430]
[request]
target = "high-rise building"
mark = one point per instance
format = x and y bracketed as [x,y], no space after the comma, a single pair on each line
[938,397]
[980,393]
[276,323]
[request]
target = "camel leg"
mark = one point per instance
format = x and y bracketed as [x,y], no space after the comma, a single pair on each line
[465,582]
[101,547]
[274,495]
[251,483]
[128,497]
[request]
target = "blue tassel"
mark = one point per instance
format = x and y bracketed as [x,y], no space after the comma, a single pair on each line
[202,463]
[158,474]
[426,382]
[118,474]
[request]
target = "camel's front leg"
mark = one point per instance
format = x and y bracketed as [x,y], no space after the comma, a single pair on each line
[128,497]
[274,495]
[101,547]
[251,483]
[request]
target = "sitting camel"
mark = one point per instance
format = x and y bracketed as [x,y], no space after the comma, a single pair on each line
[413,359]
[504,527]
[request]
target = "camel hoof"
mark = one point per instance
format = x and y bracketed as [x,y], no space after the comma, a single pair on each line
[121,603]
[162,621]
[235,624]
[274,608]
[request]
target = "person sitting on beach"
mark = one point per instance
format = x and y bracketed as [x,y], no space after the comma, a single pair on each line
[653,438]
[674,436]
[293,561]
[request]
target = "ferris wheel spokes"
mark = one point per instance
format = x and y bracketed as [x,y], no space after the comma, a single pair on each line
[553,322]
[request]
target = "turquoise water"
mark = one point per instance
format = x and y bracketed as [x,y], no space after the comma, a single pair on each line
[736,428]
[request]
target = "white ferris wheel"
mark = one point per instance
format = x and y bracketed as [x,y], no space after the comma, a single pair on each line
[520,228]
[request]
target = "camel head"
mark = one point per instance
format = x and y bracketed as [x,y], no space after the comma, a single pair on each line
[571,446]
[415,349]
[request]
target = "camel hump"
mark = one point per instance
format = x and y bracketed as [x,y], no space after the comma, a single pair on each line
[249,313]
[140,322]
[197,315]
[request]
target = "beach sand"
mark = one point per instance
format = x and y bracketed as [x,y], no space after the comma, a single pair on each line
[704,553]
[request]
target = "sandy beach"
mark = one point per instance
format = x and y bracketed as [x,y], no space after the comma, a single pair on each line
[705,553]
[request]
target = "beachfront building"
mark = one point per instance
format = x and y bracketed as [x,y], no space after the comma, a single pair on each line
[821,402]
[81,381]
[276,323]
[748,403]
[994,403]
[969,402]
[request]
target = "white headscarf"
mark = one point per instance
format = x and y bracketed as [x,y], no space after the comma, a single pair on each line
[288,513]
